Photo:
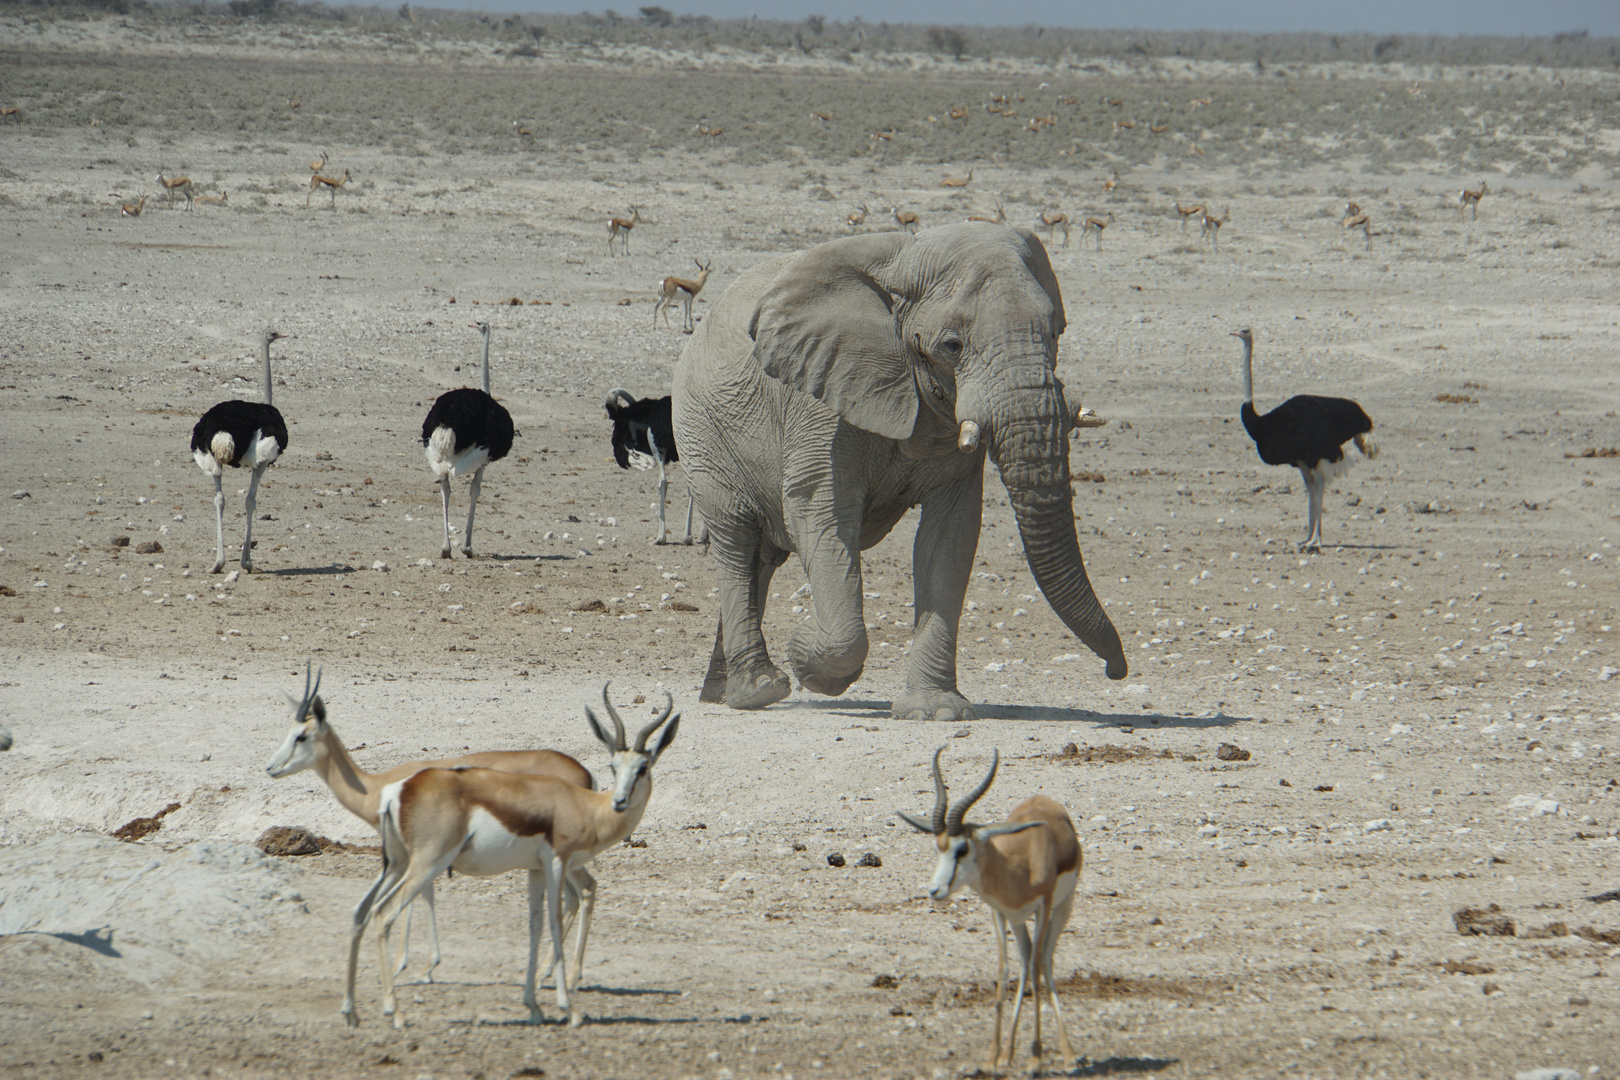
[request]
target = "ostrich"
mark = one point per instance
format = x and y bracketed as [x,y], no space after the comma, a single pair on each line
[465,430]
[241,434]
[1307,432]
[644,437]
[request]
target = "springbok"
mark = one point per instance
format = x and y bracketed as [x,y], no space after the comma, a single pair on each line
[1027,866]
[482,822]
[312,744]
[1054,221]
[620,227]
[687,290]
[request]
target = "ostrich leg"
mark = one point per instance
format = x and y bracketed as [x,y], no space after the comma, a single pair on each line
[444,492]
[219,525]
[252,502]
[472,508]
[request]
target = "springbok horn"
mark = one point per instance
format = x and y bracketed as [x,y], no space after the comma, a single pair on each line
[618,725]
[622,394]
[967,440]
[642,735]
[938,820]
[953,820]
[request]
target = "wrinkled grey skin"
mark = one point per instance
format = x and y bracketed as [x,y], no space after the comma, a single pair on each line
[822,398]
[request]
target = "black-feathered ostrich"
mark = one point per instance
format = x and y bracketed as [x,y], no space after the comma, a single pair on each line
[1307,432]
[644,438]
[242,435]
[465,430]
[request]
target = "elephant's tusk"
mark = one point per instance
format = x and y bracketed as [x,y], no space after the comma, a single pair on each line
[967,440]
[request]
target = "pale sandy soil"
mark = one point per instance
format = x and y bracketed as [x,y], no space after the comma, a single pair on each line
[1409,696]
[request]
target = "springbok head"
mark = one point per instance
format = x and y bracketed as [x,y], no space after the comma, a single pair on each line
[960,842]
[304,744]
[632,763]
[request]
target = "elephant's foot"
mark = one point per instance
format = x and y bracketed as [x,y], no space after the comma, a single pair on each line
[755,689]
[933,705]
[831,685]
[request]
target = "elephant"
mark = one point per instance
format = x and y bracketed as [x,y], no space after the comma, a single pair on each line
[830,391]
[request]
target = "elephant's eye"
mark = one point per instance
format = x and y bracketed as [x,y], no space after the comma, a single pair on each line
[948,347]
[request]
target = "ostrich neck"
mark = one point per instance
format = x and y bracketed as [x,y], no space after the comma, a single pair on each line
[1248,373]
[269,393]
[486,363]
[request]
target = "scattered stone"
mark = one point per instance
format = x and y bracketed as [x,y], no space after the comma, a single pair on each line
[1467,967]
[20,494]
[962,733]
[798,845]
[1551,930]
[118,541]
[1490,988]
[1229,752]
[149,547]
[591,605]
[1608,673]
[141,827]
[94,1055]
[287,840]
[7,590]
[1284,783]
[1378,825]
[835,858]
[885,982]
[869,859]
[1483,922]
[381,567]
[1547,1074]
[681,605]
[1607,937]
[1612,894]
[1323,787]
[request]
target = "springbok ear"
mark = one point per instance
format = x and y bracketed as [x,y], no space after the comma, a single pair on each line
[916,823]
[665,737]
[601,733]
[827,327]
[318,707]
[1005,828]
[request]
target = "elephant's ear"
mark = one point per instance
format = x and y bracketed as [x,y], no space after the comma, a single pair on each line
[827,326]
[1036,260]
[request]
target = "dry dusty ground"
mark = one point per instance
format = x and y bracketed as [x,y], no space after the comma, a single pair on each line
[1429,704]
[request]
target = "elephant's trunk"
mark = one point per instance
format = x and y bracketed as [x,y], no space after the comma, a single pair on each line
[1031,448]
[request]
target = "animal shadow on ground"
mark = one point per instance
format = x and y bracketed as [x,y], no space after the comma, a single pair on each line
[312,571]
[484,556]
[1045,714]
[97,940]
[1113,1066]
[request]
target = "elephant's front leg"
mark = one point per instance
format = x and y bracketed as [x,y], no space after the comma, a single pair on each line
[941,563]
[828,652]
[744,564]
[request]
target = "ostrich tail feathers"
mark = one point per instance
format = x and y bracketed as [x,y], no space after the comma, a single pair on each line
[1367,446]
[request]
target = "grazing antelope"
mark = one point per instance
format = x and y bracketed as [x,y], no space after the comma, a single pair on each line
[957,181]
[1095,225]
[1212,227]
[523,132]
[313,744]
[999,219]
[906,219]
[1024,867]
[12,111]
[293,103]
[1158,129]
[215,200]
[1351,209]
[1053,221]
[482,822]
[620,228]
[317,166]
[1362,221]
[171,184]
[132,209]
[1114,102]
[1111,183]
[672,286]
[1197,102]
[1186,212]
[856,218]
[821,117]
[318,180]
[1127,125]
[1470,199]
[958,113]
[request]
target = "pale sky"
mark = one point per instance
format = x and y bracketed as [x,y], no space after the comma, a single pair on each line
[1498,17]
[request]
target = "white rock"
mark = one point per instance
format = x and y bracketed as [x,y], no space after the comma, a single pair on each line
[1400,729]
[380,566]
[1522,802]
[1608,673]
[1545,806]
[1210,830]
[996,665]
[1382,824]
[1547,1074]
